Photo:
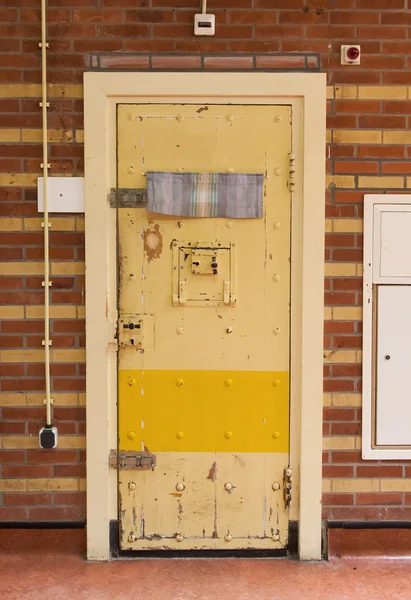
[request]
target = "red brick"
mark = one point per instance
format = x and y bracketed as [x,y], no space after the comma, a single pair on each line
[66,341]
[346,429]
[70,499]
[70,471]
[20,385]
[51,456]
[399,107]
[346,457]
[152,16]
[347,284]
[77,30]
[397,47]
[345,197]
[69,326]
[379,471]
[338,327]
[70,385]
[396,18]
[334,299]
[197,45]
[357,107]
[9,105]
[67,298]
[347,370]
[339,414]
[124,62]
[8,370]
[55,253]
[13,514]
[380,4]
[155,46]
[303,17]
[11,283]
[22,414]
[340,471]
[12,456]
[396,167]
[354,17]
[363,513]
[357,77]
[381,151]
[258,46]
[396,514]
[355,167]
[21,298]
[175,62]
[252,17]
[97,16]
[124,31]
[26,471]
[53,514]
[11,341]
[12,428]
[302,46]
[382,32]
[26,499]
[339,239]
[97,46]
[347,255]
[280,62]
[378,499]
[382,122]
[338,385]
[229,62]
[35,283]
[338,499]
[348,341]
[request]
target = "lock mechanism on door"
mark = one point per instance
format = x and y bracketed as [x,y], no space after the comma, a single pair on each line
[136,331]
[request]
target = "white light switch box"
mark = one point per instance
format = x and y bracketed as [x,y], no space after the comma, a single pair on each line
[66,194]
[204,24]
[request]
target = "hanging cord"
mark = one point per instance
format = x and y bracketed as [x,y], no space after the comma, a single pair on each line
[46,224]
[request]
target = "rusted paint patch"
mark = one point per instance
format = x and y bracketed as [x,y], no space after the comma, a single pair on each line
[202,108]
[153,243]
[176,494]
[212,474]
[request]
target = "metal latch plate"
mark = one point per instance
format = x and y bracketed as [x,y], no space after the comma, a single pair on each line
[133,461]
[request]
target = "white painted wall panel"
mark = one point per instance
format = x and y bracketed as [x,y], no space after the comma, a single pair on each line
[393,381]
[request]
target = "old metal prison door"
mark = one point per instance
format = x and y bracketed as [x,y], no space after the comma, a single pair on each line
[204,353]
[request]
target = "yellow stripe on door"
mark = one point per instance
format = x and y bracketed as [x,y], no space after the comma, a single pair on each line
[204,411]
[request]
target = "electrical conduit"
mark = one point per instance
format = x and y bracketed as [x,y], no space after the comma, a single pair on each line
[46,224]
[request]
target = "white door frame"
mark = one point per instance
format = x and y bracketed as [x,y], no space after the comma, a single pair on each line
[306,92]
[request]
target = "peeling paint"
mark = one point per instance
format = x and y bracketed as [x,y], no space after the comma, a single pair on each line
[212,474]
[153,243]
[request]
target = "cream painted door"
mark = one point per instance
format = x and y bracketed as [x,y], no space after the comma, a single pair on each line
[204,358]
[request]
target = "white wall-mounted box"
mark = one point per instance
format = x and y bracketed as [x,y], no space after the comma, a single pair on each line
[386,417]
[66,194]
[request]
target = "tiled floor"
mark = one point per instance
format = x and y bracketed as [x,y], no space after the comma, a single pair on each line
[51,566]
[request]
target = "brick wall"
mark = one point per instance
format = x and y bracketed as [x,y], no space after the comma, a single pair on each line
[369,109]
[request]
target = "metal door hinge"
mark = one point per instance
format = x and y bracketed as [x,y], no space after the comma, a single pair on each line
[288,484]
[128,198]
[143,461]
[291,172]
